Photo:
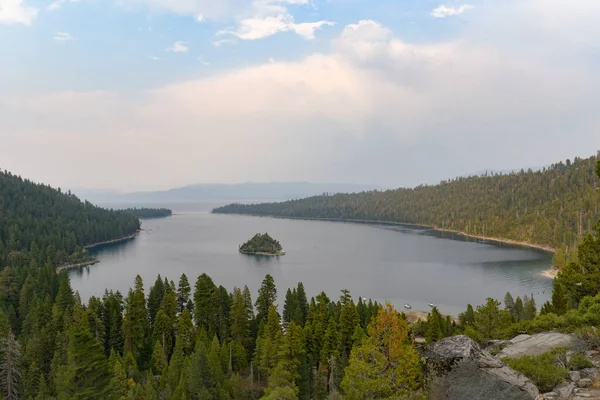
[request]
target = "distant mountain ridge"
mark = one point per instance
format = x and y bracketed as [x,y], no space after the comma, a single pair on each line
[224,192]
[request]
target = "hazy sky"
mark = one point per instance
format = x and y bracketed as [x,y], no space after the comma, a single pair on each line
[148,94]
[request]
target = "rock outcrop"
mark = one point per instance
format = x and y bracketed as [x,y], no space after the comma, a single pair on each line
[464,371]
[534,345]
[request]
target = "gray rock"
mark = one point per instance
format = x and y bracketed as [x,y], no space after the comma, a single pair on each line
[574,376]
[550,395]
[589,373]
[585,382]
[526,345]
[580,390]
[565,389]
[583,395]
[464,371]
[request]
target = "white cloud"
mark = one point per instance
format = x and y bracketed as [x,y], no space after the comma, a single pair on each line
[15,12]
[154,58]
[178,47]
[260,28]
[444,11]
[200,18]
[375,109]
[62,37]
[58,4]
[219,43]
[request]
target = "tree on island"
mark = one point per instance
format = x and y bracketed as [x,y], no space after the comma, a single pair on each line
[262,244]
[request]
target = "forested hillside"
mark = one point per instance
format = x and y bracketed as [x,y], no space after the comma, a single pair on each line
[41,220]
[553,207]
[147,213]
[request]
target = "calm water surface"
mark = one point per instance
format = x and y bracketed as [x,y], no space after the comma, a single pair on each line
[399,264]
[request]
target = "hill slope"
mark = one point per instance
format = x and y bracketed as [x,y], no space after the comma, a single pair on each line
[552,207]
[38,218]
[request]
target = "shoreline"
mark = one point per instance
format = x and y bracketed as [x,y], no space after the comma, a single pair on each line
[260,253]
[113,241]
[67,267]
[435,228]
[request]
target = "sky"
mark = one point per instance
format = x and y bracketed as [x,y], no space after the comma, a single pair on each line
[153,94]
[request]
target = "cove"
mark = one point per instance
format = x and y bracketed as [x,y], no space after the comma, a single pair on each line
[383,262]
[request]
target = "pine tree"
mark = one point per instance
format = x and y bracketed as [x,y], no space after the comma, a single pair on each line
[185,331]
[289,306]
[268,342]
[509,304]
[240,324]
[112,319]
[434,329]
[118,388]
[10,367]
[349,319]
[155,297]
[559,302]
[86,374]
[530,309]
[200,377]
[163,332]
[470,315]
[64,298]
[267,295]
[302,304]
[159,359]
[183,293]
[385,365]
[205,307]
[519,309]
[136,325]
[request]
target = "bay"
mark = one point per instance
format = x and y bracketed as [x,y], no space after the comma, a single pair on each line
[384,262]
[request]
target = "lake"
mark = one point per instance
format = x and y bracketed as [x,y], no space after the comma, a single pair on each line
[396,263]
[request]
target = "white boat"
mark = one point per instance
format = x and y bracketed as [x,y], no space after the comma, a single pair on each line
[431,305]
[407,306]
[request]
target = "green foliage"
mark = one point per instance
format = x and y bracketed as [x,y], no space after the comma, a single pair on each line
[385,365]
[543,370]
[267,294]
[434,329]
[261,243]
[579,361]
[553,207]
[50,224]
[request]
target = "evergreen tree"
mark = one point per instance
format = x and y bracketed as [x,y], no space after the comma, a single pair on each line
[385,365]
[10,368]
[530,309]
[201,381]
[155,298]
[434,328]
[240,324]
[267,295]
[112,320]
[205,306]
[559,302]
[136,324]
[185,331]
[509,304]
[86,374]
[302,304]
[519,309]
[183,294]
[290,306]
[118,388]
[349,319]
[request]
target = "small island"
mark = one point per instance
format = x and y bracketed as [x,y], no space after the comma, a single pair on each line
[262,245]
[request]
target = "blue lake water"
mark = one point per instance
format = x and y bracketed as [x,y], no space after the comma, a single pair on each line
[399,264]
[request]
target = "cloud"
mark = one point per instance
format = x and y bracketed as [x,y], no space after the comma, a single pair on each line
[15,12]
[154,58]
[63,37]
[178,47]
[376,108]
[444,11]
[200,18]
[58,4]
[209,9]
[219,43]
[260,28]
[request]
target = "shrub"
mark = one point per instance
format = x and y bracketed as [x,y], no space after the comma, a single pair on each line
[579,361]
[545,370]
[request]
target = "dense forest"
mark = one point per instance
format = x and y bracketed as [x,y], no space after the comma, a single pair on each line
[261,243]
[38,219]
[145,213]
[552,207]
